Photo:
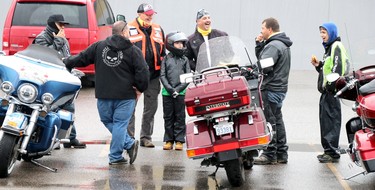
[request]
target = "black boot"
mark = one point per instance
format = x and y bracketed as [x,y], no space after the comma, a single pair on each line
[75,144]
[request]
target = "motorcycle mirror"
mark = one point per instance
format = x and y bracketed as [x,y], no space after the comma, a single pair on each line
[186,78]
[268,62]
[332,77]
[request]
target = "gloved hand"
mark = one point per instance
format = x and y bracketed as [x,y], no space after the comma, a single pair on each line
[175,94]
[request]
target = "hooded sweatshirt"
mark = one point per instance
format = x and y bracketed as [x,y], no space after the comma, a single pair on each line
[278,48]
[119,65]
[335,59]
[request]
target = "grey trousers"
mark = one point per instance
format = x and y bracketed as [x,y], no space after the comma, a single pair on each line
[149,110]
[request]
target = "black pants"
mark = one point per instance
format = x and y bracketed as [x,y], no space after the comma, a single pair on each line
[277,149]
[330,123]
[174,119]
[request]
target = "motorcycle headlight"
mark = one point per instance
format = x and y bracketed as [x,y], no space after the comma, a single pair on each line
[47,98]
[27,93]
[7,87]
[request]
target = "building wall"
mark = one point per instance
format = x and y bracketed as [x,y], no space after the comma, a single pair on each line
[299,19]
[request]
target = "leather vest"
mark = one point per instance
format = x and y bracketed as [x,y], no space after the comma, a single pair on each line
[138,38]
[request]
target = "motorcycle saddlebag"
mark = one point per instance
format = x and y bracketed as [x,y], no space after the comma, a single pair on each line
[45,130]
[366,149]
[66,124]
[218,95]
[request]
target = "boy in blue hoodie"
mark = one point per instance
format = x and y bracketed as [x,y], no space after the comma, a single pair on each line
[335,60]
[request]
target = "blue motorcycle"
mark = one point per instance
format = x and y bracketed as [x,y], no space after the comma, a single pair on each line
[35,86]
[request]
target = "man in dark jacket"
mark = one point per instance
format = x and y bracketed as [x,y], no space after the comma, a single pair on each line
[203,33]
[121,74]
[54,37]
[274,46]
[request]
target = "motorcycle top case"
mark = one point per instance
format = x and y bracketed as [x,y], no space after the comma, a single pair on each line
[217,95]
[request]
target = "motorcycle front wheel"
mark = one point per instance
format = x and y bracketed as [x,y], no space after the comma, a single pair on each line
[8,154]
[235,172]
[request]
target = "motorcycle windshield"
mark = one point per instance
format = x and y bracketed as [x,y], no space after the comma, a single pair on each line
[222,51]
[43,54]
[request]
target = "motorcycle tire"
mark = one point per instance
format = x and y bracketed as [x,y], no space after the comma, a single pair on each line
[8,154]
[235,172]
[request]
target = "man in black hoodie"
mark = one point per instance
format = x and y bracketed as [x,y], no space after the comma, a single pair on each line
[121,74]
[274,46]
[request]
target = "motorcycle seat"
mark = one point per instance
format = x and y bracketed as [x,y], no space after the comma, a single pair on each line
[367,89]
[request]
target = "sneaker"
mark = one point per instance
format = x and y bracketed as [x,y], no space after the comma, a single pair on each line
[179,146]
[319,156]
[133,151]
[119,162]
[75,144]
[263,160]
[282,158]
[168,146]
[325,158]
[147,144]
[282,161]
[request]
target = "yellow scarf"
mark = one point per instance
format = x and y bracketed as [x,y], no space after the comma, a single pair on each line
[204,32]
[142,23]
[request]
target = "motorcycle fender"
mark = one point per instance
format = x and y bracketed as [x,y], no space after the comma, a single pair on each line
[228,155]
[14,124]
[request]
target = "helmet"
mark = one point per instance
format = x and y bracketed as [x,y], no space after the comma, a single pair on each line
[173,37]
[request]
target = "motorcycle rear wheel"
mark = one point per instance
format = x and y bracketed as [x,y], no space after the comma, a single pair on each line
[8,154]
[235,172]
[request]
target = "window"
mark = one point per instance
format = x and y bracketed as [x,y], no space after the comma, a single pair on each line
[104,14]
[36,14]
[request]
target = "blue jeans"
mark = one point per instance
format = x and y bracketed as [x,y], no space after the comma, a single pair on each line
[115,115]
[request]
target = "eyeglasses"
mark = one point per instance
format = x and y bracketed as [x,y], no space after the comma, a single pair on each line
[124,27]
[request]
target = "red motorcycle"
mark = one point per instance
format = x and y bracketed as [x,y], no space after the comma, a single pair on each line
[360,88]
[224,95]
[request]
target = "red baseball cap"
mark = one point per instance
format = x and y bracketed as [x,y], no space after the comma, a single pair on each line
[146,9]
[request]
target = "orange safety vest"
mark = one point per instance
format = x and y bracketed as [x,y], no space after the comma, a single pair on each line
[136,36]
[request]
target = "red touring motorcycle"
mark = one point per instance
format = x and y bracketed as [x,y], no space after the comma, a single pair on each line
[360,88]
[224,95]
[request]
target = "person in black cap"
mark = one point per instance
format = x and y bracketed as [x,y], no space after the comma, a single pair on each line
[203,33]
[149,37]
[54,37]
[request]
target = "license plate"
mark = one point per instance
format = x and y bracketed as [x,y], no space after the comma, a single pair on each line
[15,120]
[224,128]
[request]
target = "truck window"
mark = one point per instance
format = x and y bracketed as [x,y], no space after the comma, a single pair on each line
[103,15]
[36,14]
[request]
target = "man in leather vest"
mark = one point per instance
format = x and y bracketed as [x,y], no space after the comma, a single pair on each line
[149,37]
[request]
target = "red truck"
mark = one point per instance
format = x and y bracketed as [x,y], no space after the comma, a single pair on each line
[90,21]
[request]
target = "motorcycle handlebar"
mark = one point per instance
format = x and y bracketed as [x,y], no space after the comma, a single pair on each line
[249,73]
[348,85]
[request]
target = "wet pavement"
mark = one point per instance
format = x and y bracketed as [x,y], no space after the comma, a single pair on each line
[158,169]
